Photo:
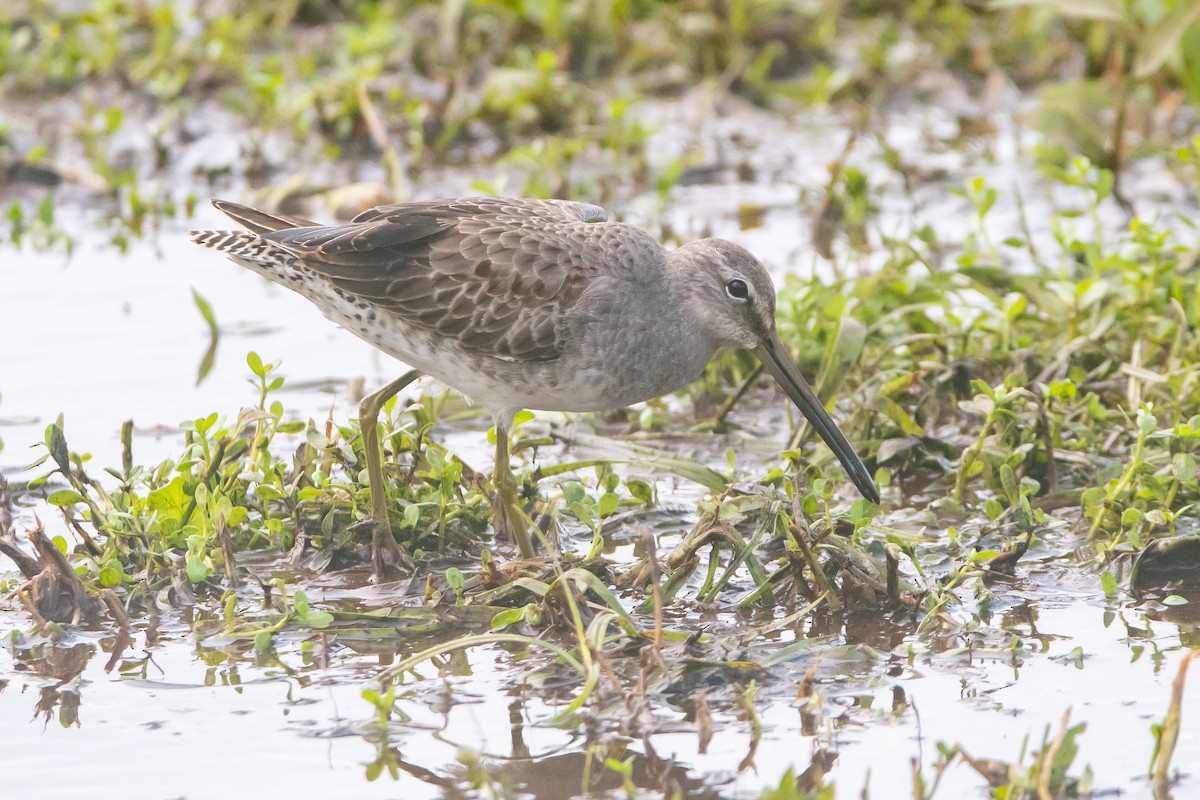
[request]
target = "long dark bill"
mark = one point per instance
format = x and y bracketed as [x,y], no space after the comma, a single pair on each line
[775,358]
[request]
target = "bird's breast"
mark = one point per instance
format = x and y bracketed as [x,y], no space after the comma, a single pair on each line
[632,353]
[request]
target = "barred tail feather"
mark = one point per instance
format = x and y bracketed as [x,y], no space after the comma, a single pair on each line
[257,254]
[246,247]
[227,241]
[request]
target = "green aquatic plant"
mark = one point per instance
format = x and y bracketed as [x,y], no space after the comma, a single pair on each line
[413,86]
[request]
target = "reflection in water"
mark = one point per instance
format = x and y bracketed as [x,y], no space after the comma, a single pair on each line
[516,719]
[59,666]
[600,769]
[471,723]
[746,696]
[65,698]
[609,763]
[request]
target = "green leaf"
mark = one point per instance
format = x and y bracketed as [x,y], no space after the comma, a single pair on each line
[507,617]
[1063,389]
[309,616]
[65,497]
[1091,499]
[583,513]
[316,439]
[56,443]
[205,424]
[169,503]
[110,575]
[317,619]
[1109,584]
[907,425]
[1182,464]
[1015,305]
[198,567]
[1160,42]
[267,493]
[736,507]
[647,457]
[608,504]
[1008,481]
[641,491]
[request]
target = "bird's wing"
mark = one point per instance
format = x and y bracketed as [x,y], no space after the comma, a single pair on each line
[497,274]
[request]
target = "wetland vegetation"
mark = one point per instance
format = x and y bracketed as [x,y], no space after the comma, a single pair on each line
[982,220]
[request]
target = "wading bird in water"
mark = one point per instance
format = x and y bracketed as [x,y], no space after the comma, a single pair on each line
[525,304]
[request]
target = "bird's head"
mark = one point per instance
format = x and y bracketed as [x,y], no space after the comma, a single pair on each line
[733,303]
[731,293]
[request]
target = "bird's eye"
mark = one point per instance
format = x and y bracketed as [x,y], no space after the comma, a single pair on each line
[737,289]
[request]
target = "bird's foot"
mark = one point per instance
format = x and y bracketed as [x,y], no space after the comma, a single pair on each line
[386,553]
[510,521]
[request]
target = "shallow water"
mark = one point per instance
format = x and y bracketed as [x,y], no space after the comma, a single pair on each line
[177,716]
[185,711]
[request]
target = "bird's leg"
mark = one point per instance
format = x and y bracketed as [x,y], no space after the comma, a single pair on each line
[507,516]
[368,423]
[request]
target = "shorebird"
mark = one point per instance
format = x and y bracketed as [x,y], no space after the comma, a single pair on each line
[524,304]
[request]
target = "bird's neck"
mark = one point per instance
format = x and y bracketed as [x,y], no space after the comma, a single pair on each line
[686,270]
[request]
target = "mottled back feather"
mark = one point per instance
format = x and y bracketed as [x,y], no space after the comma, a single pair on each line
[499,275]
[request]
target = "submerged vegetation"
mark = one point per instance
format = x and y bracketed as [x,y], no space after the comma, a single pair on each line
[1025,384]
